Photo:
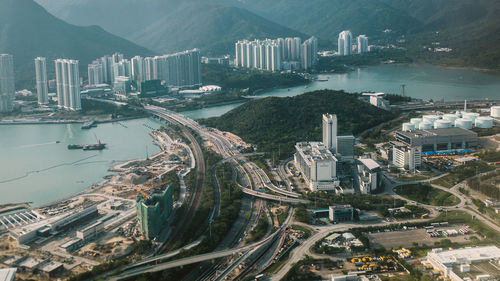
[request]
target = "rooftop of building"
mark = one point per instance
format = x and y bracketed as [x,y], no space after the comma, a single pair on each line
[465,254]
[374,94]
[340,206]
[30,262]
[11,260]
[444,132]
[369,163]
[7,274]
[345,137]
[50,266]
[315,150]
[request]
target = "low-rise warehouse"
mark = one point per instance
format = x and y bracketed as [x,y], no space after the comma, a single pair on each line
[449,261]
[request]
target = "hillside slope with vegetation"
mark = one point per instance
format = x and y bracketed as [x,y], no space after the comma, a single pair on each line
[275,124]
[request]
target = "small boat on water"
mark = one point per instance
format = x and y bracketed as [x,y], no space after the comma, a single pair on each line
[97,146]
[75,146]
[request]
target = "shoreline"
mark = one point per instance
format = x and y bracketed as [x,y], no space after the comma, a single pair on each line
[94,186]
[55,122]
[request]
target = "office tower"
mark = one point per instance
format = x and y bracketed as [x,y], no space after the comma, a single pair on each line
[96,73]
[345,43]
[68,84]
[6,83]
[362,44]
[138,68]
[309,53]
[330,131]
[41,80]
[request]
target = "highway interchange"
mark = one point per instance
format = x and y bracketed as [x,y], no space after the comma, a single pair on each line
[255,179]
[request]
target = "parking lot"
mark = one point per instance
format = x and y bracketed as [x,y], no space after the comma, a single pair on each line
[406,238]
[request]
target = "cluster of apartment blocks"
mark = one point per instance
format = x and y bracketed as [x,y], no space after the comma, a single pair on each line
[277,54]
[181,69]
[345,44]
[318,161]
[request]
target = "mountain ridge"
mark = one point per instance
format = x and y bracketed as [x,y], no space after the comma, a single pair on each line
[27,31]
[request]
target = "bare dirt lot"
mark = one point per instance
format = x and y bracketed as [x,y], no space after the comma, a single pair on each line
[396,239]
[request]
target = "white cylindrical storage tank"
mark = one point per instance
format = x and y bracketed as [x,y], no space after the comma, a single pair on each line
[463,123]
[408,127]
[425,125]
[450,117]
[442,124]
[430,118]
[471,116]
[416,121]
[484,122]
[495,111]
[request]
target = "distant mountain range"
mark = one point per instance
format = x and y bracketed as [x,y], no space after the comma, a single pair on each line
[470,27]
[27,30]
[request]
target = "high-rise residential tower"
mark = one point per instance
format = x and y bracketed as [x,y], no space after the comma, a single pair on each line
[68,84]
[6,82]
[41,80]
[138,68]
[309,53]
[96,73]
[330,132]
[362,44]
[345,43]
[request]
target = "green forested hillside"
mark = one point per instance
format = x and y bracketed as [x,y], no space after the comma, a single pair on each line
[278,123]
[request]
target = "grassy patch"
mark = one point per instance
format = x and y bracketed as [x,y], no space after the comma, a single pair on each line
[426,194]
[306,230]
[462,173]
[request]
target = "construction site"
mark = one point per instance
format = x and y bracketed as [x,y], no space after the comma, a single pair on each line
[71,236]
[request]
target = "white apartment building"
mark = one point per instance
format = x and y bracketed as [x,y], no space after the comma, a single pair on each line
[68,84]
[345,43]
[362,44]
[7,88]
[41,80]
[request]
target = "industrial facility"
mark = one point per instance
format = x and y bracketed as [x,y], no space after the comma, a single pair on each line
[317,164]
[442,139]
[456,264]
[318,161]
